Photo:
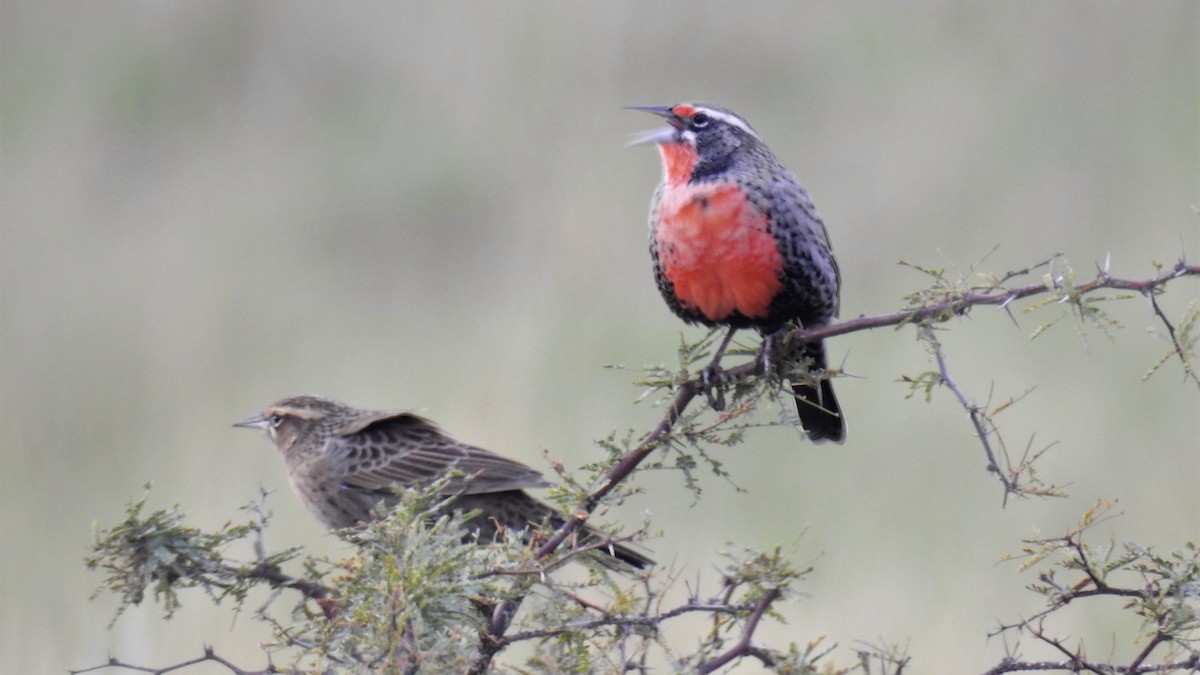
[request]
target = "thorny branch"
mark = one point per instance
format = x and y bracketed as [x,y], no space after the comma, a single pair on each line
[1180,350]
[937,312]
[1017,479]
[1162,598]
[209,655]
[278,579]
[743,647]
[492,639]
[1076,662]
[961,303]
[983,428]
[271,573]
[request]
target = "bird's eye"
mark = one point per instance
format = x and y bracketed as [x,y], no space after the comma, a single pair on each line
[276,419]
[699,120]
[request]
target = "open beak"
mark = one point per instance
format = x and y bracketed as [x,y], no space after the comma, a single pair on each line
[662,134]
[258,421]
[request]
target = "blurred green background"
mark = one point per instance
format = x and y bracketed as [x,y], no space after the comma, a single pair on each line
[210,206]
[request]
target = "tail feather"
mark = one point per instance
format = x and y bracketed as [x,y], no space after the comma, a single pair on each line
[513,509]
[626,555]
[614,556]
[820,414]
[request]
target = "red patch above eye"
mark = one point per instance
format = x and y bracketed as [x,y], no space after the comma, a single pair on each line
[684,110]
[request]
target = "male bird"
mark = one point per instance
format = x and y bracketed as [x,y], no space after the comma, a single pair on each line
[342,462]
[737,242]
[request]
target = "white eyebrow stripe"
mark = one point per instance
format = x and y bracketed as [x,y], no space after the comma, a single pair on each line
[728,118]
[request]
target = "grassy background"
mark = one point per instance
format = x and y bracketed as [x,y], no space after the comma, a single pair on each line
[210,206]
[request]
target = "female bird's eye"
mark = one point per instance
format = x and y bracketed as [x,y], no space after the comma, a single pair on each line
[699,120]
[276,419]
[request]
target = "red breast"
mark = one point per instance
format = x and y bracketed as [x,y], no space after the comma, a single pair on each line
[715,248]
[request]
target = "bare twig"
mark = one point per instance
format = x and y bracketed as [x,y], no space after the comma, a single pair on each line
[276,577]
[960,303]
[743,646]
[1076,665]
[209,655]
[631,621]
[978,419]
[1179,349]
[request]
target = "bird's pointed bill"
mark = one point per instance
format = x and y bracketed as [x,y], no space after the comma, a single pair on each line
[660,135]
[258,421]
[664,111]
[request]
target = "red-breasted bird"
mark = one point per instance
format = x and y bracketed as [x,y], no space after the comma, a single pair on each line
[737,242]
[345,462]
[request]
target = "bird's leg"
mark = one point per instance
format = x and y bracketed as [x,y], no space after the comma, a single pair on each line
[713,376]
[766,360]
[770,354]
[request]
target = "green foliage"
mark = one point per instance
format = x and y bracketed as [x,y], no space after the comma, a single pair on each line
[723,415]
[157,552]
[1063,285]
[1162,589]
[413,593]
[414,596]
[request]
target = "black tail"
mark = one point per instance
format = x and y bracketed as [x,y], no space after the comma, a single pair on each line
[820,414]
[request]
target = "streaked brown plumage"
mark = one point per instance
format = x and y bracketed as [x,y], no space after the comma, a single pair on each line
[342,462]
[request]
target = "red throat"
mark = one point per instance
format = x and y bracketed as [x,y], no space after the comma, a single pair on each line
[678,158]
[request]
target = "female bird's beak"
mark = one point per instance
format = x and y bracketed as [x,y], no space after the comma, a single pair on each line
[258,421]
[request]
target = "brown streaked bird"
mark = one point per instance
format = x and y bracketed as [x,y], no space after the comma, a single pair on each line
[342,462]
[737,242]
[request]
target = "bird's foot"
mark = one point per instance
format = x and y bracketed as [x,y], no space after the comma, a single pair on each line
[712,381]
[713,378]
